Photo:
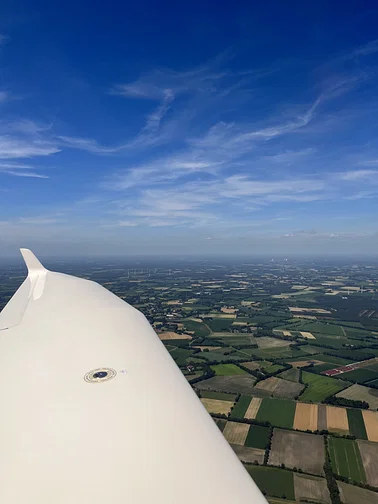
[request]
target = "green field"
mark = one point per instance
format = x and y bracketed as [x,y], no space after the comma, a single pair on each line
[346,459]
[222,396]
[319,368]
[319,387]
[219,324]
[273,481]
[240,407]
[338,361]
[180,355]
[356,423]
[258,437]
[199,328]
[323,328]
[227,370]
[274,368]
[360,375]
[279,412]
[290,374]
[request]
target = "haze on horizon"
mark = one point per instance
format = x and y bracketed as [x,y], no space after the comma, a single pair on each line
[169,129]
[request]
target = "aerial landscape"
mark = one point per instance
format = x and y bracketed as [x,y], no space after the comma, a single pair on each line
[283,354]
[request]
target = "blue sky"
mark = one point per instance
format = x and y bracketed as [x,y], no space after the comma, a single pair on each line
[184,128]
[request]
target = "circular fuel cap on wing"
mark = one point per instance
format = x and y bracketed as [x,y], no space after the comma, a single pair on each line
[100,375]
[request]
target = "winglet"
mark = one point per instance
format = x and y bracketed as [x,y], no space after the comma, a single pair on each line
[32,263]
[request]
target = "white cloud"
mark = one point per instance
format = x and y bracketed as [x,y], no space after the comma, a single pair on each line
[360,175]
[14,148]
[17,170]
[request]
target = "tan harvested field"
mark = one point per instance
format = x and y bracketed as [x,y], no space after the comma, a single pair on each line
[173,336]
[224,309]
[268,342]
[361,393]
[308,317]
[337,420]
[371,424]
[311,488]
[297,449]
[369,455]
[195,319]
[303,363]
[246,454]
[239,324]
[236,433]
[174,302]
[295,309]
[286,333]
[217,406]
[307,335]
[252,365]
[269,384]
[253,408]
[220,315]
[306,416]
[236,383]
[351,494]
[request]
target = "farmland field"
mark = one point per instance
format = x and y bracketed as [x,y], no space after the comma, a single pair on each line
[199,328]
[297,449]
[360,375]
[356,423]
[236,383]
[222,396]
[290,374]
[257,437]
[306,417]
[241,407]
[337,420]
[236,432]
[253,408]
[361,393]
[311,488]
[369,455]
[274,368]
[320,387]
[268,385]
[371,424]
[227,370]
[249,455]
[351,494]
[217,406]
[221,423]
[346,459]
[268,342]
[273,481]
[279,412]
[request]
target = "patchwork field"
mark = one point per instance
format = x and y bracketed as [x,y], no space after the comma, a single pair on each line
[306,417]
[361,393]
[279,412]
[307,335]
[360,375]
[337,420]
[322,417]
[253,365]
[227,370]
[279,387]
[273,481]
[236,383]
[297,449]
[253,408]
[241,407]
[248,455]
[236,433]
[257,437]
[222,396]
[311,488]
[346,459]
[320,387]
[356,423]
[216,406]
[350,494]
[369,455]
[303,363]
[371,424]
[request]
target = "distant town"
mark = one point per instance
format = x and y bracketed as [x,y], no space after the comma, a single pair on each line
[282,353]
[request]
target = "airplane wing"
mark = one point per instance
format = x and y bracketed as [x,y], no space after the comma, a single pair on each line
[94,410]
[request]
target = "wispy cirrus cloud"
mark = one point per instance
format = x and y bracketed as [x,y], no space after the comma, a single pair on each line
[20,170]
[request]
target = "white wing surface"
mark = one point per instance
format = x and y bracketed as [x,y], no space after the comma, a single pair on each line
[94,409]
